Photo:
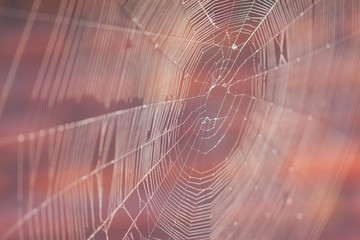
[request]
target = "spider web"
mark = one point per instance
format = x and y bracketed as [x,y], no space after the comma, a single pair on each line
[238,119]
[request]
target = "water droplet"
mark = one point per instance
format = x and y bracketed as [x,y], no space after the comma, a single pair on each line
[21,138]
[42,133]
[31,136]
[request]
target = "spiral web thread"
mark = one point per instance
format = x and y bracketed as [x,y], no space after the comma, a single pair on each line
[290,73]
